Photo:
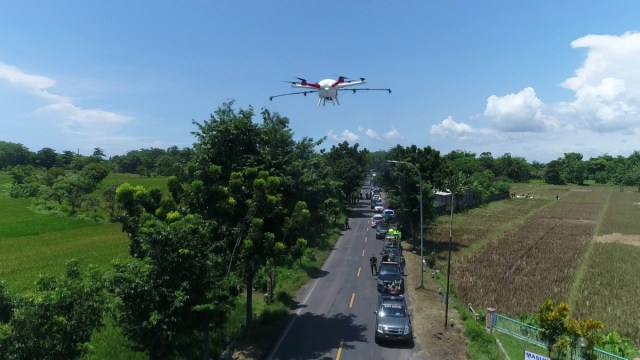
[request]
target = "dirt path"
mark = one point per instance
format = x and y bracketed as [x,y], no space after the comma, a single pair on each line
[427,311]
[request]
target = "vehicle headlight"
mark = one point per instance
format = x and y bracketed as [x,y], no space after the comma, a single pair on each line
[380,329]
[407,329]
[380,282]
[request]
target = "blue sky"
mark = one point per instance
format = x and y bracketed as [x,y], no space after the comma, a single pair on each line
[536,79]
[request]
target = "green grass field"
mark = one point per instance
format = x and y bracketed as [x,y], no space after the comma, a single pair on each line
[33,244]
[146,181]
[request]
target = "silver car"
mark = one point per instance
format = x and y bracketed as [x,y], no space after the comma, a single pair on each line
[392,319]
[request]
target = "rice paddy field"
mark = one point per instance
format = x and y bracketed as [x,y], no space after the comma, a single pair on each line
[34,244]
[566,243]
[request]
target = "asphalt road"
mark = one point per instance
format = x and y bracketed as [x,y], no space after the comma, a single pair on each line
[335,319]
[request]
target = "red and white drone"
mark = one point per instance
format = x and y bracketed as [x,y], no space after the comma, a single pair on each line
[327,89]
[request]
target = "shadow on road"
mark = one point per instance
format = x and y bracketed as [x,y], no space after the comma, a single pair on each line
[313,336]
[396,344]
[360,212]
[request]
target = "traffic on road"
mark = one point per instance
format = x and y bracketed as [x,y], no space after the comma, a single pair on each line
[356,307]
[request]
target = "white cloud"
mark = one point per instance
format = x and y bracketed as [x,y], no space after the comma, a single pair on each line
[450,128]
[392,134]
[346,135]
[372,134]
[521,112]
[606,93]
[607,85]
[17,77]
[73,115]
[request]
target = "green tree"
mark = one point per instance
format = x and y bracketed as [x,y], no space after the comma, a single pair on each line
[95,172]
[179,291]
[25,181]
[573,168]
[587,331]
[552,174]
[57,321]
[72,188]
[67,158]
[349,166]
[46,158]
[401,183]
[12,154]
[487,162]
[632,177]
[552,320]
[513,167]
[98,154]
[245,183]
[458,161]
[618,345]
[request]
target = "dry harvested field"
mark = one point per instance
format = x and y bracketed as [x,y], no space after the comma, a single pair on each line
[516,253]
[610,286]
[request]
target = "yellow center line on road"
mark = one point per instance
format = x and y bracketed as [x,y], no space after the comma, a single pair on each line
[353,297]
[359,269]
[339,349]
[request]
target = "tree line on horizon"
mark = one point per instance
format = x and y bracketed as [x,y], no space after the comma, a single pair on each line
[571,168]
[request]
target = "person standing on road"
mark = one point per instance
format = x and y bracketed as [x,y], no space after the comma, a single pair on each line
[373,261]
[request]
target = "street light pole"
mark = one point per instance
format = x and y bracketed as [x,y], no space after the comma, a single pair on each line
[421,226]
[446,299]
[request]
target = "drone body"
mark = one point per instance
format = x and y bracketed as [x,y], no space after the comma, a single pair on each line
[327,89]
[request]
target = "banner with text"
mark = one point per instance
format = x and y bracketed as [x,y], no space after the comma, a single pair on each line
[533,356]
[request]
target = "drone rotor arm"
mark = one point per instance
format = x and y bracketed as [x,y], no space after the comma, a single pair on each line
[366,89]
[293,93]
[305,86]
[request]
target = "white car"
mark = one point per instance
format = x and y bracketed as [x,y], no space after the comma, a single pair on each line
[376,219]
[378,208]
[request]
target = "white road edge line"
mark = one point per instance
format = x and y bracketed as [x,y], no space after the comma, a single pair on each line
[293,318]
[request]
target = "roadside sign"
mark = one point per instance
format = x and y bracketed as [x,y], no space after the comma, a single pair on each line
[528,355]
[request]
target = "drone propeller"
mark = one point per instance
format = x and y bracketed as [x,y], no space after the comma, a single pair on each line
[348,79]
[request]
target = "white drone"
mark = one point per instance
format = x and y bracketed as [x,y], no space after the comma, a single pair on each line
[327,89]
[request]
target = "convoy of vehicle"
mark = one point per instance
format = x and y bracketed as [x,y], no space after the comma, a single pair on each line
[393,321]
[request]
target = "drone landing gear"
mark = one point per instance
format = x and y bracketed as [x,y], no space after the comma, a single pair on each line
[323,101]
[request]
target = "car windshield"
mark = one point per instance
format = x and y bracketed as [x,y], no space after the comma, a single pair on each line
[389,270]
[383,226]
[393,310]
